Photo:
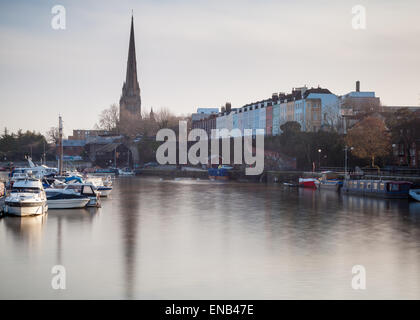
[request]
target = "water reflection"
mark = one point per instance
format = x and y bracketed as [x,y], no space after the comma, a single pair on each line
[26,230]
[129,204]
[200,239]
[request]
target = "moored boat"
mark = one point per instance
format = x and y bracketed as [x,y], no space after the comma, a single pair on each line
[106,172]
[27,198]
[104,191]
[330,181]
[2,189]
[102,186]
[65,199]
[87,190]
[377,188]
[308,183]
[290,185]
[218,174]
[126,172]
[415,194]
[331,184]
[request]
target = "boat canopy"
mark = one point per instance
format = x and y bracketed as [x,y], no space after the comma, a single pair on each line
[73,178]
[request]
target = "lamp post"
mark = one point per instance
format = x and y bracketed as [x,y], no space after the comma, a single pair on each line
[115,157]
[319,159]
[393,150]
[346,160]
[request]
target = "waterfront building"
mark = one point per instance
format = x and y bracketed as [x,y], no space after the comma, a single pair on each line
[355,104]
[130,101]
[313,108]
[235,120]
[108,151]
[281,113]
[203,113]
[221,122]
[226,120]
[269,120]
[290,110]
[263,117]
[72,148]
[207,124]
[321,110]
[245,119]
[406,147]
[276,119]
[81,134]
[406,154]
[240,114]
[252,117]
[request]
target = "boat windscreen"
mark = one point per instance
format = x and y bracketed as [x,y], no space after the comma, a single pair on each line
[26,190]
[87,190]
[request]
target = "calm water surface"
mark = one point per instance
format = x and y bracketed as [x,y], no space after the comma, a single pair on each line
[188,239]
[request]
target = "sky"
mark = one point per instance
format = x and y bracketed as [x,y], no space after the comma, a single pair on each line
[196,53]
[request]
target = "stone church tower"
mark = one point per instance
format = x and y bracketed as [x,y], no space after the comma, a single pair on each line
[130,101]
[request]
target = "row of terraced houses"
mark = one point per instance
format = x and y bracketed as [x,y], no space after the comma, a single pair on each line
[313,108]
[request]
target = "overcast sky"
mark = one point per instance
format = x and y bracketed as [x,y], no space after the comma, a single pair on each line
[196,53]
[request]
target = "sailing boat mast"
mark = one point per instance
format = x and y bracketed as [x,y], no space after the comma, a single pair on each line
[60,145]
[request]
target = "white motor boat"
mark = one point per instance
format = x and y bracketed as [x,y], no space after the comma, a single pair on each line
[415,194]
[86,190]
[27,198]
[126,172]
[65,199]
[33,171]
[104,191]
[104,187]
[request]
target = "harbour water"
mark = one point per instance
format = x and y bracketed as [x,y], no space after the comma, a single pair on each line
[189,239]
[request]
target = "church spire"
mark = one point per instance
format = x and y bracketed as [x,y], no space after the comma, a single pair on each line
[130,102]
[131,77]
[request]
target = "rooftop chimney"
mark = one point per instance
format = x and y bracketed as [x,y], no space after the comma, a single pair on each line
[357,86]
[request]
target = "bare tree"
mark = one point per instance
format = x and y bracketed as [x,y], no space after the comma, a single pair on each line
[52,135]
[370,139]
[331,116]
[109,119]
[163,118]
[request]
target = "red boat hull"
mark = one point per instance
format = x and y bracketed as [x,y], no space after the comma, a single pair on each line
[308,183]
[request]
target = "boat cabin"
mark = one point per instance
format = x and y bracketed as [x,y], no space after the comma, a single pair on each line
[379,188]
[27,186]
